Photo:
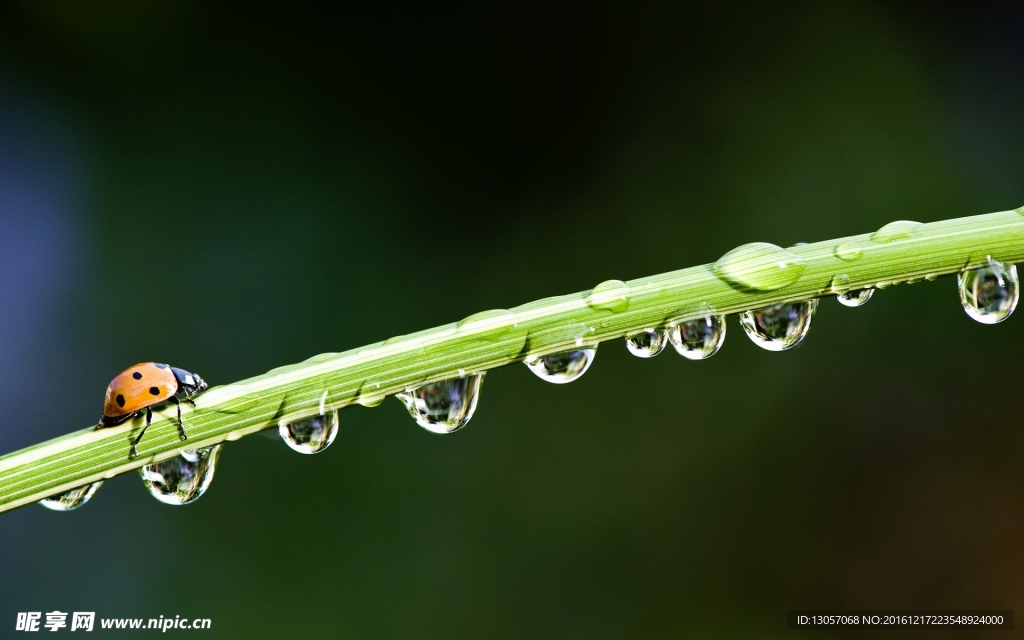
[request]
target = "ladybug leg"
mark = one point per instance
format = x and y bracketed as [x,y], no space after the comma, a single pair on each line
[181,426]
[149,419]
[188,398]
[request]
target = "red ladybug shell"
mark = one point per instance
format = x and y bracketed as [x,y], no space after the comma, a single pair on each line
[138,387]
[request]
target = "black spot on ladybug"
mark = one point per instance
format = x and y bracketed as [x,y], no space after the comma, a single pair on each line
[159,366]
[120,400]
[137,375]
[155,390]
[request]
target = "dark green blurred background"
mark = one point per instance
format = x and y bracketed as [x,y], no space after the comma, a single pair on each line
[233,190]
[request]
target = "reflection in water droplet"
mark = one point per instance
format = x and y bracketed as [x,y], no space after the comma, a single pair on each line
[445,406]
[647,344]
[71,499]
[898,230]
[855,298]
[310,435]
[700,338]
[989,294]
[182,479]
[612,295]
[780,326]
[561,368]
[760,266]
[847,251]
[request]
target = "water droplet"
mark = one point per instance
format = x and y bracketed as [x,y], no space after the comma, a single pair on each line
[612,295]
[490,316]
[898,230]
[233,436]
[780,326]
[647,344]
[71,499]
[445,406]
[760,266]
[182,479]
[370,394]
[700,338]
[310,435]
[855,298]
[561,368]
[847,251]
[989,294]
[840,283]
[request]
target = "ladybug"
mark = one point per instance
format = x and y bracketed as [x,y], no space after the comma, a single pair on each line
[143,387]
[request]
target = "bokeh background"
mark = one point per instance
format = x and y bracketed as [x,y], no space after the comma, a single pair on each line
[230,190]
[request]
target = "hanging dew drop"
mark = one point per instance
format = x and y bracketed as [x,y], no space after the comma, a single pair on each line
[445,406]
[698,339]
[855,298]
[647,344]
[182,479]
[310,435]
[989,294]
[780,326]
[70,500]
[759,266]
[561,368]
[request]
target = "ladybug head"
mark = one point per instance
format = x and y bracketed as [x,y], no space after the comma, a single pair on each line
[191,382]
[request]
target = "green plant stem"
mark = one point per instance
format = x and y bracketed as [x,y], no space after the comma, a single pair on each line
[496,338]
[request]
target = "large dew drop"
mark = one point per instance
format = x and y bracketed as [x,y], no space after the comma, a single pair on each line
[182,479]
[698,339]
[780,326]
[561,368]
[310,435]
[71,499]
[647,344]
[445,406]
[989,294]
[855,298]
[759,266]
